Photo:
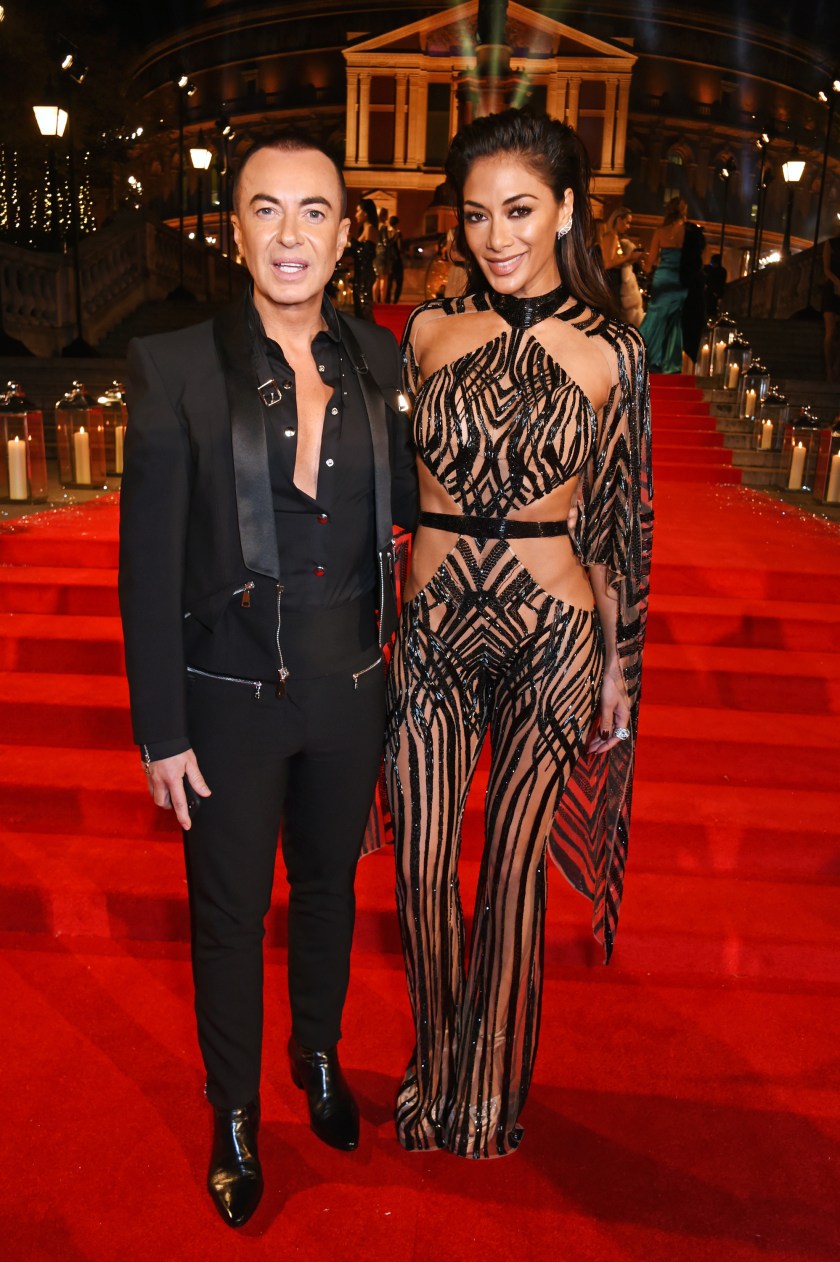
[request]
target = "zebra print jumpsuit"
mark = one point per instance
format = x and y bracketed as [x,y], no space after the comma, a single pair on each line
[482,649]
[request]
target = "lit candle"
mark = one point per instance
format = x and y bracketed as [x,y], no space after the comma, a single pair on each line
[81,450]
[720,352]
[16,451]
[732,376]
[119,439]
[703,361]
[749,405]
[766,436]
[833,493]
[797,468]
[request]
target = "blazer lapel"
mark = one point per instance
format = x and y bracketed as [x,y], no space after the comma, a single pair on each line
[254,505]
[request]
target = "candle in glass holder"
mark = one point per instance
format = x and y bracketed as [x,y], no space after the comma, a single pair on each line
[766,436]
[749,404]
[720,354]
[833,493]
[797,468]
[81,450]
[732,376]
[703,361]
[18,482]
[119,440]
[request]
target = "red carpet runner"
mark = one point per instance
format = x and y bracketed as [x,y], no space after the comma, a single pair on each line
[685,1101]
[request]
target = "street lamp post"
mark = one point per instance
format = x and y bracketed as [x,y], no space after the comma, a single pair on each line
[762,144]
[792,171]
[185,88]
[52,123]
[201,159]
[726,176]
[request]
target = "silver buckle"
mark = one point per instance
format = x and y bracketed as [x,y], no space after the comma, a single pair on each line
[270,392]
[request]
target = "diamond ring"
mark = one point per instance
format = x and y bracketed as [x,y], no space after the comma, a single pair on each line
[622,733]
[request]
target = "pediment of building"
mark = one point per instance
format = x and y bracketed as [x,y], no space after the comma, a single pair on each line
[452,34]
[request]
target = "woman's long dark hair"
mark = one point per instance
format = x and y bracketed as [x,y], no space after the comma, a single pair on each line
[553,151]
[369,208]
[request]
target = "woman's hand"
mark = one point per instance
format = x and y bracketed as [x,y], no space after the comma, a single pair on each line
[614,716]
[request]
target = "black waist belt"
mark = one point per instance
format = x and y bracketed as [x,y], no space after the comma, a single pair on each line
[493,527]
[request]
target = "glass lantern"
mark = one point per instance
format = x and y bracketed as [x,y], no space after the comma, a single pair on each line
[80,438]
[23,460]
[800,448]
[703,363]
[736,361]
[827,477]
[753,390]
[115,413]
[723,332]
[769,424]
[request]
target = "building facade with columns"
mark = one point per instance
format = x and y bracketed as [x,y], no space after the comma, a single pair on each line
[663,100]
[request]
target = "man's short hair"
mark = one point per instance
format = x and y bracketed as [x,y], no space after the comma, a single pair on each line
[291,141]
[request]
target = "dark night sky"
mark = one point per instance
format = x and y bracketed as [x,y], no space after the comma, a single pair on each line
[808,19]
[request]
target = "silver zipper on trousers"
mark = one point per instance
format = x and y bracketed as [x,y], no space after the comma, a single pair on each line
[357,674]
[256,684]
[282,672]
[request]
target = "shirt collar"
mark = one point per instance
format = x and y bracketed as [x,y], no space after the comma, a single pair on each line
[328,314]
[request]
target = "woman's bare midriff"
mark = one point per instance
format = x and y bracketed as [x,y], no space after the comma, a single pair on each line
[551,563]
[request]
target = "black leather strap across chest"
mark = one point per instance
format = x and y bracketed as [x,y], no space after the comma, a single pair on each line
[493,527]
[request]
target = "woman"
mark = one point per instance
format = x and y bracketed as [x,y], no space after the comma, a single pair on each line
[528,401]
[382,258]
[662,325]
[619,254]
[364,250]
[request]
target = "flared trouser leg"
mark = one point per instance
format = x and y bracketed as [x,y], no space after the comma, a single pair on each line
[513,660]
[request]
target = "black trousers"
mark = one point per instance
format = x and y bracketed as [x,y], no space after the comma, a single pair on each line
[308,763]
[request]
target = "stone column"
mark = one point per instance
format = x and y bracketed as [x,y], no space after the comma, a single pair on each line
[351,145]
[574,101]
[555,101]
[609,126]
[364,117]
[621,123]
[418,98]
[453,106]
[400,119]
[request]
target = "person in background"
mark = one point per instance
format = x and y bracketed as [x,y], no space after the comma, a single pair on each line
[363,249]
[662,325]
[694,306]
[618,256]
[831,304]
[382,258]
[714,279]
[396,270]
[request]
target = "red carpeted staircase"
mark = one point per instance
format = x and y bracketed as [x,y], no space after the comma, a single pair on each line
[687,446]
[685,1100]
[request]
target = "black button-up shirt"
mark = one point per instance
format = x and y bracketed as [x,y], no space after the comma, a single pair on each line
[327,545]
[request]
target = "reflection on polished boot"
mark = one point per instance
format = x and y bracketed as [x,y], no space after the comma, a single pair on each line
[235,1180]
[333,1113]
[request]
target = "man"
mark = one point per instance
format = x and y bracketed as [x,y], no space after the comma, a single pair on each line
[263,473]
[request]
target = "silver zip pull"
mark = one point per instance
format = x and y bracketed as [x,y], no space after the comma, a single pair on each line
[282,672]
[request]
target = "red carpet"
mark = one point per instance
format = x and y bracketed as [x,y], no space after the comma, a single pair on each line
[685,1101]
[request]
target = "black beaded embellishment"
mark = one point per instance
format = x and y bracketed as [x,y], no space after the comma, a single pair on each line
[521,313]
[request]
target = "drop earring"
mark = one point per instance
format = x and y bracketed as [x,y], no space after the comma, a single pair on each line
[567,227]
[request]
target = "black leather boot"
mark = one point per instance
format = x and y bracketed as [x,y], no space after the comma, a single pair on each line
[235,1180]
[333,1113]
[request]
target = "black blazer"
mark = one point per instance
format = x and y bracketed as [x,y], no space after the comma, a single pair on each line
[196,518]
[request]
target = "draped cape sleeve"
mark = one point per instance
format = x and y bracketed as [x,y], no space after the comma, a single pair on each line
[589,835]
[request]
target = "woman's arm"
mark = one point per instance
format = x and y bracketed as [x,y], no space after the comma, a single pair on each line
[652,257]
[615,703]
[611,250]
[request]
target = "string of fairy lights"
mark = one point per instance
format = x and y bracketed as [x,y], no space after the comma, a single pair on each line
[30,214]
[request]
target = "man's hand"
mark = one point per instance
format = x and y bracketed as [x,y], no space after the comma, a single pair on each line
[165,778]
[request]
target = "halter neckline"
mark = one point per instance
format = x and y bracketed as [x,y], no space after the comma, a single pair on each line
[522,313]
